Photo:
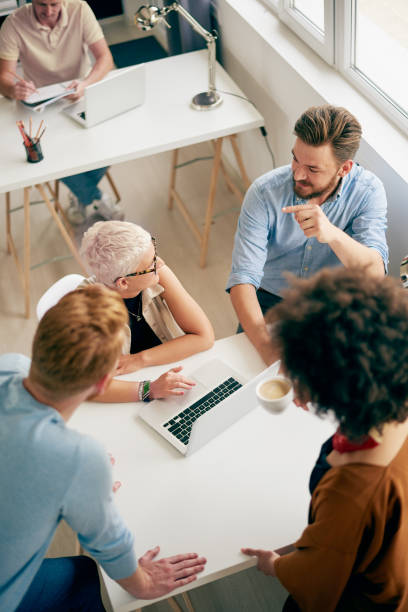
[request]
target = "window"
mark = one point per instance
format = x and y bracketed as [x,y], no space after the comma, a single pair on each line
[376,52]
[366,40]
[312,20]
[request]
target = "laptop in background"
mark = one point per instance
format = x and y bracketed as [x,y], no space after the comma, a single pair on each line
[120,91]
[220,398]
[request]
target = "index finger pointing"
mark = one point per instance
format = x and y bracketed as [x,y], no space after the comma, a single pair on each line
[298,208]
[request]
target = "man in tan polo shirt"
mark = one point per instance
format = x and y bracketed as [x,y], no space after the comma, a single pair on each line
[51,38]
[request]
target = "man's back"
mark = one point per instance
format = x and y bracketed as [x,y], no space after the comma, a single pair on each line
[43,464]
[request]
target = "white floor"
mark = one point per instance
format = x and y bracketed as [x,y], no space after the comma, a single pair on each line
[143,185]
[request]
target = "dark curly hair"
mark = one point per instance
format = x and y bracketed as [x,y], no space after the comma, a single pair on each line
[343,337]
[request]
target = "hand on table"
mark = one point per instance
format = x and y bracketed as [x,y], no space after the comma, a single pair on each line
[266,559]
[303,405]
[165,575]
[170,383]
[128,363]
[313,222]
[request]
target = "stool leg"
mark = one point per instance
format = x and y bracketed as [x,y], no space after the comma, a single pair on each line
[173,178]
[8,222]
[61,228]
[27,251]
[59,209]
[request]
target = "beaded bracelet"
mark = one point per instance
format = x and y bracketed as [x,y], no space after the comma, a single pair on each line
[144,391]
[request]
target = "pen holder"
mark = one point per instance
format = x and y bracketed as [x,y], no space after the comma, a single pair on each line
[34,152]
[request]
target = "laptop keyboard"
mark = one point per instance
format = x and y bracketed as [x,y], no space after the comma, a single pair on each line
[181,424]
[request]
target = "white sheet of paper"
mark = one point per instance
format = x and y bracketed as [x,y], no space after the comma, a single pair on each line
[49,91]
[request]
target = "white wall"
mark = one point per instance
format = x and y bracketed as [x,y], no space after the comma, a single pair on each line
[282,92]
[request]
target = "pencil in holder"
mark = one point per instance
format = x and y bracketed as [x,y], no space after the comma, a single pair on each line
[34,152]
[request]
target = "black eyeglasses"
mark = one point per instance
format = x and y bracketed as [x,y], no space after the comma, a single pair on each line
[149,270]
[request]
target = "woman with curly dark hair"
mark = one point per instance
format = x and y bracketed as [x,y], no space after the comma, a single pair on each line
[343,337]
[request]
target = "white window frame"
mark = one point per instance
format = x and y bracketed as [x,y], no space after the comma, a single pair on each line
[337,49]
[345,37]
[274,4]
[323,44]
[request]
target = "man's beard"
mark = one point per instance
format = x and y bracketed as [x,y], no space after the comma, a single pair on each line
[328,189]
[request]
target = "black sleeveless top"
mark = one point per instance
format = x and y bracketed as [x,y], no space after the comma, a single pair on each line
[142,335]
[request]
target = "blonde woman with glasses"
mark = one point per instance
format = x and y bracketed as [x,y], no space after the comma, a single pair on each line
[165,323]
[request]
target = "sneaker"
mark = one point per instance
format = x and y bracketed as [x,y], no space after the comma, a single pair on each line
[107,208]
[75,212]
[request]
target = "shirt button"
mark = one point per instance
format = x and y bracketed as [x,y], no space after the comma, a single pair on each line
[309,248]
[306,268]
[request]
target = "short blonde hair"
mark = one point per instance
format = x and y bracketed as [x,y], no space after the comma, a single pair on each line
[114,248]
[78,341]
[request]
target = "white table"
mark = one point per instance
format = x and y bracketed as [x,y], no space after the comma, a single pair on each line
[247,487]
[164,122]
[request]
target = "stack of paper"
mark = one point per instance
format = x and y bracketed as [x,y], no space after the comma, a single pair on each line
[47,95]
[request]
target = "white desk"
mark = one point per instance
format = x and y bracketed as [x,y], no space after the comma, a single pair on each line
[164,122]
[248,487]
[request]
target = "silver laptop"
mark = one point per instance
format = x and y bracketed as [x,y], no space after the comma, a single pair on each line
[118,92]
[220,397]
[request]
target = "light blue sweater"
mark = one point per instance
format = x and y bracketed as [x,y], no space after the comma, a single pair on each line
[49,472]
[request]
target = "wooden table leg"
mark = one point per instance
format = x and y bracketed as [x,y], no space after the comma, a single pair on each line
[210,201]
[187,602]
[237,153]
[174,605]
[8,221]
[61,228]
[227,178]
[173,178]
[27,251]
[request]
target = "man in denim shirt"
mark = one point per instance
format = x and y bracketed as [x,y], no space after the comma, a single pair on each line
[322,211]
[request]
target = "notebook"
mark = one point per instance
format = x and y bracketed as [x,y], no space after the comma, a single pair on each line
[47,95]
[119,92]
[220,398]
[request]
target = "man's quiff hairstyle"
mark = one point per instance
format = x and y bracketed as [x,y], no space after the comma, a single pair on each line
[112,249]
[343,336]
[78,341]
[335,125]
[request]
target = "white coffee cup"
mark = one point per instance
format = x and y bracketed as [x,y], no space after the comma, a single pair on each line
[275,393]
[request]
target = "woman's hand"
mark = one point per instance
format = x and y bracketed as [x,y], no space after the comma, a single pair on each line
[129,363]
[170,383]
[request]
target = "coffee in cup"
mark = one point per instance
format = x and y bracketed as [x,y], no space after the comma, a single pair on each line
[275,393]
